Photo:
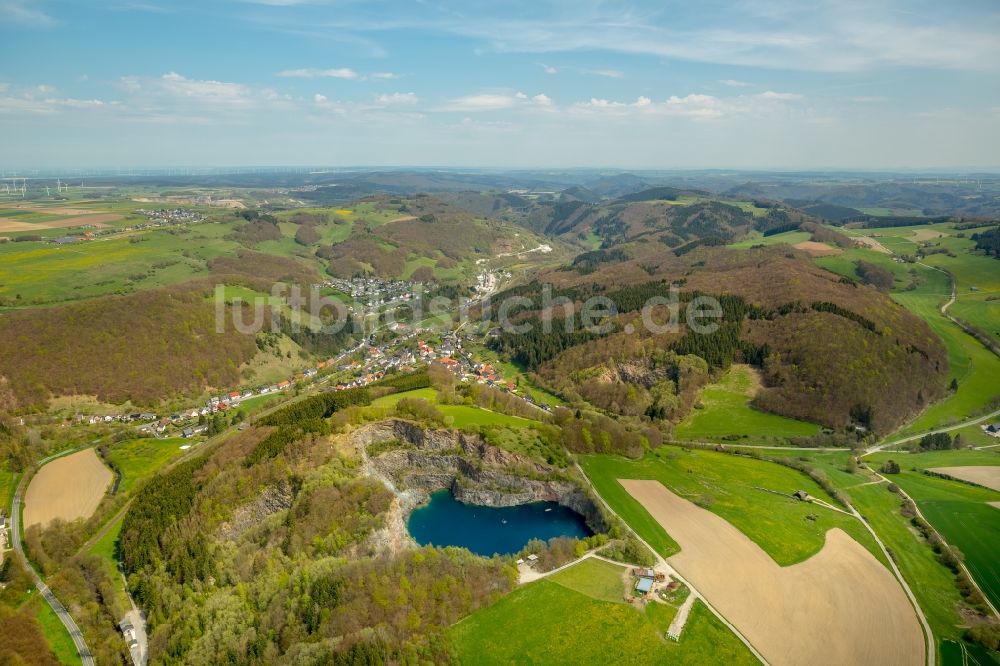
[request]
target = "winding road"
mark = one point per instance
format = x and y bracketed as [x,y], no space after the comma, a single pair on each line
[74,631]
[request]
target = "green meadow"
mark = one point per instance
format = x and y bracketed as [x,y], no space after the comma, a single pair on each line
[55,633]
[931,582]
[138,459]
[595,578]
[723,408]
[959,511]
[549,623]
[788,530]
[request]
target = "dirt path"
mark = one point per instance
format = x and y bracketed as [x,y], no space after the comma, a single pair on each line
[664,567]
[839,607]
[677,625]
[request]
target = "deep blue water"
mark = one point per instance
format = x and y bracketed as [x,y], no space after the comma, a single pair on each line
[444,521]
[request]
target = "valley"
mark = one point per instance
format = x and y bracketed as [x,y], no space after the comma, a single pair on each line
[464,367]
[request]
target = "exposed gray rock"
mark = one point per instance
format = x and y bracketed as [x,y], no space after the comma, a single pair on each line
[474,471]
[272,500]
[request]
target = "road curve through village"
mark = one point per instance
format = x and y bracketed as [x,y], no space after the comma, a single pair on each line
[74,631]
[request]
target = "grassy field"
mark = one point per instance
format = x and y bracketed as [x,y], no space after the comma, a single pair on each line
[727,486]
[466,417]
[141,458]
[930,581]
[595,578]
[959,511]
[55,633]
[463,416]
[726,410]
[8,485]
[105,546]
[548,623]
[757,238]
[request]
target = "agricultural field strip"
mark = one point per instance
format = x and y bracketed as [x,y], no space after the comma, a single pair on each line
[757,593]
[74,631]
[960,564]
[662,563]
[69,487]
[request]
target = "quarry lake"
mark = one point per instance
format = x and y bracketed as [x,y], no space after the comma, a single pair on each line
[444,521]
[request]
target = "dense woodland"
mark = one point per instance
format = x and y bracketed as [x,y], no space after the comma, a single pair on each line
[988,241]
[831,351]
[120,348]
[264,559]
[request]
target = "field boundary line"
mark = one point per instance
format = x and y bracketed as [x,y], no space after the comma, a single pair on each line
[961,564]
[662,561]
[75,634]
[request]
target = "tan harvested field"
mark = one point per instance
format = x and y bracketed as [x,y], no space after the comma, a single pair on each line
[97,220]
[817,249]
[982,475]
[872,244]
[70,487]
[54,210]
[841,606]
[994,504]
[925,234]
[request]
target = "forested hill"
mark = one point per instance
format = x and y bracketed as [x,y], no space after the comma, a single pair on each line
[830,351]
[669,216]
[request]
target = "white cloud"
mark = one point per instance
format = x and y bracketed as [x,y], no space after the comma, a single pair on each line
[319,99]
[869,99]
[549,69]
[825,35]
[496,102]
[21,12]
[392,99]
[695,106]
[210,92]
[784,97]
[42,100]
[607,73]
[484,102]
[310,73]
[733,83]
[383,76]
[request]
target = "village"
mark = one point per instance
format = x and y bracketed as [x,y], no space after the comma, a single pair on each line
[358,366]
[161,217]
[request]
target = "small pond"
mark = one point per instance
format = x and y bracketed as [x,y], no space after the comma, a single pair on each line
[485,530]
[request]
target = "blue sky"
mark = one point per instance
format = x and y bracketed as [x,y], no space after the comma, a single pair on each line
[667,84]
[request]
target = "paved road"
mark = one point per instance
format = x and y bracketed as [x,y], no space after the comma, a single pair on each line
[54,604]
[957,426]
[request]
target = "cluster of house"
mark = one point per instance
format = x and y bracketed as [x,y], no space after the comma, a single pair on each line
[165,216]
[157,218]
[187,420]
[373,291]
[646,581]
[992,429]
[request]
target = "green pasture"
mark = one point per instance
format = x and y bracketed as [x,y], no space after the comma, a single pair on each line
[548,623]
[728,486]
[726,410]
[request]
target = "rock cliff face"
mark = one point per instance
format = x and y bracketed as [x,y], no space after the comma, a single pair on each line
[422,461]
[272,500]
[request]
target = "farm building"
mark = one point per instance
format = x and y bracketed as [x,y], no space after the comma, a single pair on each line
[644,586]
[802,495]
